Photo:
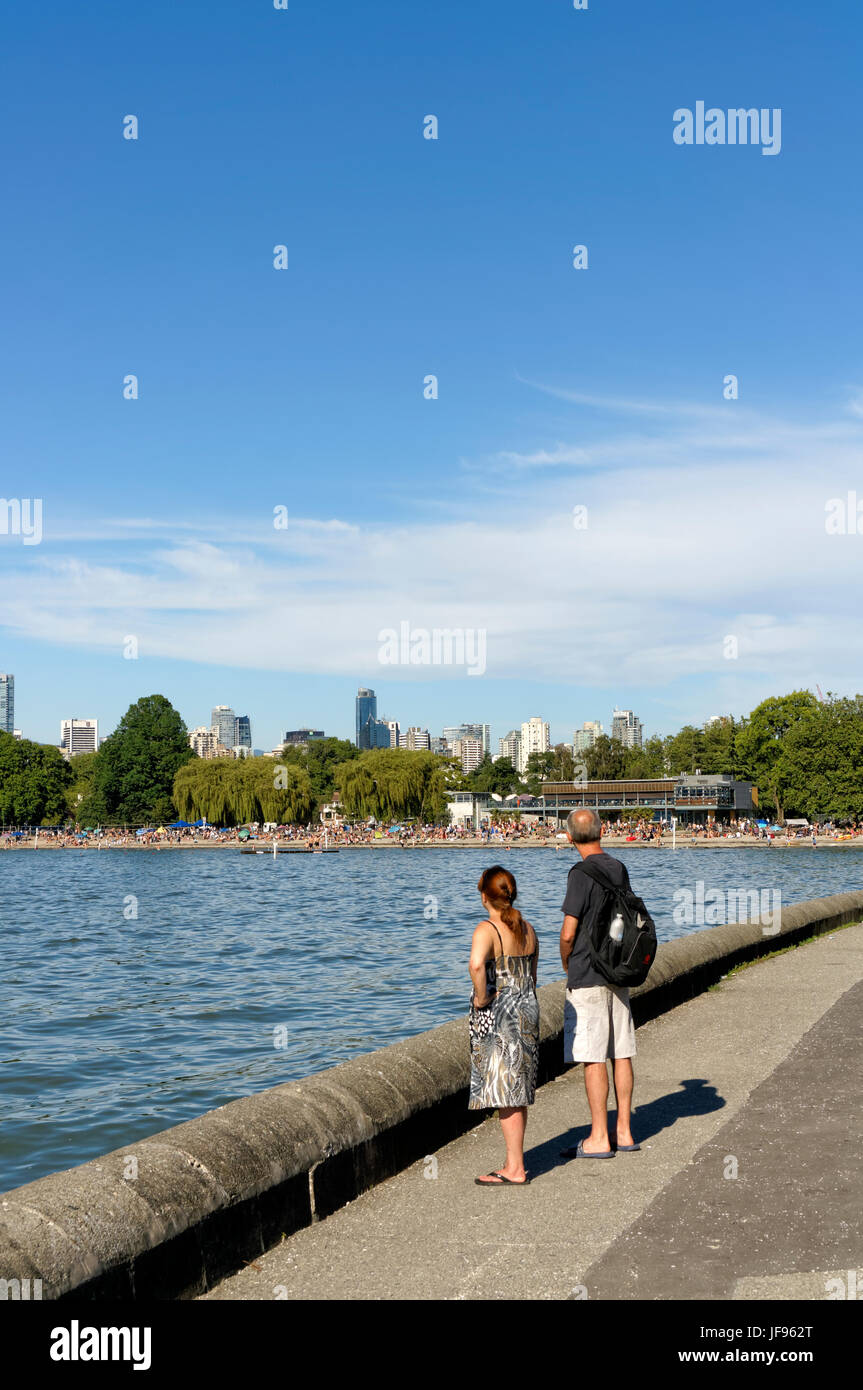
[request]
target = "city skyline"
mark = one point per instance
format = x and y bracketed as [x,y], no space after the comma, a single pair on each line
[237,729]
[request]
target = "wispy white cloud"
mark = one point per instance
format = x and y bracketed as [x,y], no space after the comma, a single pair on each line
[690,542]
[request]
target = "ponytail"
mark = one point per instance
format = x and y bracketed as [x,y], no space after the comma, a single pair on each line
[498,886]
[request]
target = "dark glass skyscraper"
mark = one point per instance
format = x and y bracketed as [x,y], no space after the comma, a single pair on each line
[242,731]
[367,713]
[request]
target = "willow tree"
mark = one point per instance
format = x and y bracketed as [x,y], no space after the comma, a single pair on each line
[392,784]
[227,791]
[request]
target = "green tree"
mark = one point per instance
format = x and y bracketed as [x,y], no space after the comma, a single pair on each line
[538,771]
[685,750]
[606,760]
[489,777]
[80,790]
[822,761]
[394,784]
[323,756]
[239,791]
[719,753]
[134,773]
[34,780]
[647,761]
[761,744]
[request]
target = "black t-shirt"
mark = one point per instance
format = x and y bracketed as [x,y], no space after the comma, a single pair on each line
[582,901]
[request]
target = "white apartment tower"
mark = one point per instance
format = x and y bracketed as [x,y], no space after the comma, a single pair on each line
[626,727]
[534,739]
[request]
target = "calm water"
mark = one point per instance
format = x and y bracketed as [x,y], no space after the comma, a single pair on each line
[118,1027]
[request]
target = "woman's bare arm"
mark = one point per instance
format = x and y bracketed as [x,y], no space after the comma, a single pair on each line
[481,950]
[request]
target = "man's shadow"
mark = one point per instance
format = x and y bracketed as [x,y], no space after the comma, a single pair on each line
[698,1097]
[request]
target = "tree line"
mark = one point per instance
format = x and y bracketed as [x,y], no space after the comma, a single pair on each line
[804,755]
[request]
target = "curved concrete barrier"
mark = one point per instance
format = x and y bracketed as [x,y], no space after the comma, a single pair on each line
[171,1215]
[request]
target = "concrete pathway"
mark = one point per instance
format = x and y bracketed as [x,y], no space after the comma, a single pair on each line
[748,1184]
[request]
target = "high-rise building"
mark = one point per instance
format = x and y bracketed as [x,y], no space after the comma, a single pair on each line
[367,710]
[534,739]
[78,736]
[242,731]
[417,738]
[378,731]
[206,742]
[222,718]
[510,747]
[626,727]
[586,736]
[7,704]
[395,733]
[469,751]
[480,731]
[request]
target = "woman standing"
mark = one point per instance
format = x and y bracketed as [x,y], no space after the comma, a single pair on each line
[504,1020]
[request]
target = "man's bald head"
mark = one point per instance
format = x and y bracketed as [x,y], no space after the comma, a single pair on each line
[584,826]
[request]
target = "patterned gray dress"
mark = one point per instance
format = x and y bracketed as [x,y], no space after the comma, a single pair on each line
[503,1064]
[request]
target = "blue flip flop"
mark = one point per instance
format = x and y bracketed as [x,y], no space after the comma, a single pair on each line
[580,1153]
[627,1148]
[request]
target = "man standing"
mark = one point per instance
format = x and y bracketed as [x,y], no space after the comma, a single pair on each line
[597,1018]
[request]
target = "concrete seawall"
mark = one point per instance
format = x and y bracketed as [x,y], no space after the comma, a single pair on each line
[170,1215]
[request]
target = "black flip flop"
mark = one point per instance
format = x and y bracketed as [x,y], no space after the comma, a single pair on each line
[504,1182]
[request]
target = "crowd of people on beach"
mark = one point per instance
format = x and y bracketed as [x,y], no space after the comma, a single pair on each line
[505,833]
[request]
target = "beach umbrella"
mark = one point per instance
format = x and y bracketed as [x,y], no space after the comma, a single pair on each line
[244,833]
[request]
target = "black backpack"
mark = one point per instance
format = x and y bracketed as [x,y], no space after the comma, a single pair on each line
[624,962]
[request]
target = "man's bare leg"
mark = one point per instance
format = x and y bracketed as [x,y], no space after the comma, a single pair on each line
[596,1086]
[623,1084]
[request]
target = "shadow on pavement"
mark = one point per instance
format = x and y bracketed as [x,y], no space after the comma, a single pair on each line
[698,1097]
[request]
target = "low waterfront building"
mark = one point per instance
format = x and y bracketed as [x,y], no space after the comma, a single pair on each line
[696,797]
[468,809]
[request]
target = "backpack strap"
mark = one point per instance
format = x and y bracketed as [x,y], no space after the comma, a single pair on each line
[597,875]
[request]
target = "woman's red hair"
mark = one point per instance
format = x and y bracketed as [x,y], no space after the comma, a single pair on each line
[498,886]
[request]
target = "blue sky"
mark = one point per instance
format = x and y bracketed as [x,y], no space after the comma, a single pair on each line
[303,388]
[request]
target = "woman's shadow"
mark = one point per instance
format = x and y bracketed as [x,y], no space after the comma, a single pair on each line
[698,1097]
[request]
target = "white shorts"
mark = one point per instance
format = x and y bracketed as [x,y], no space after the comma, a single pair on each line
[597,1024]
